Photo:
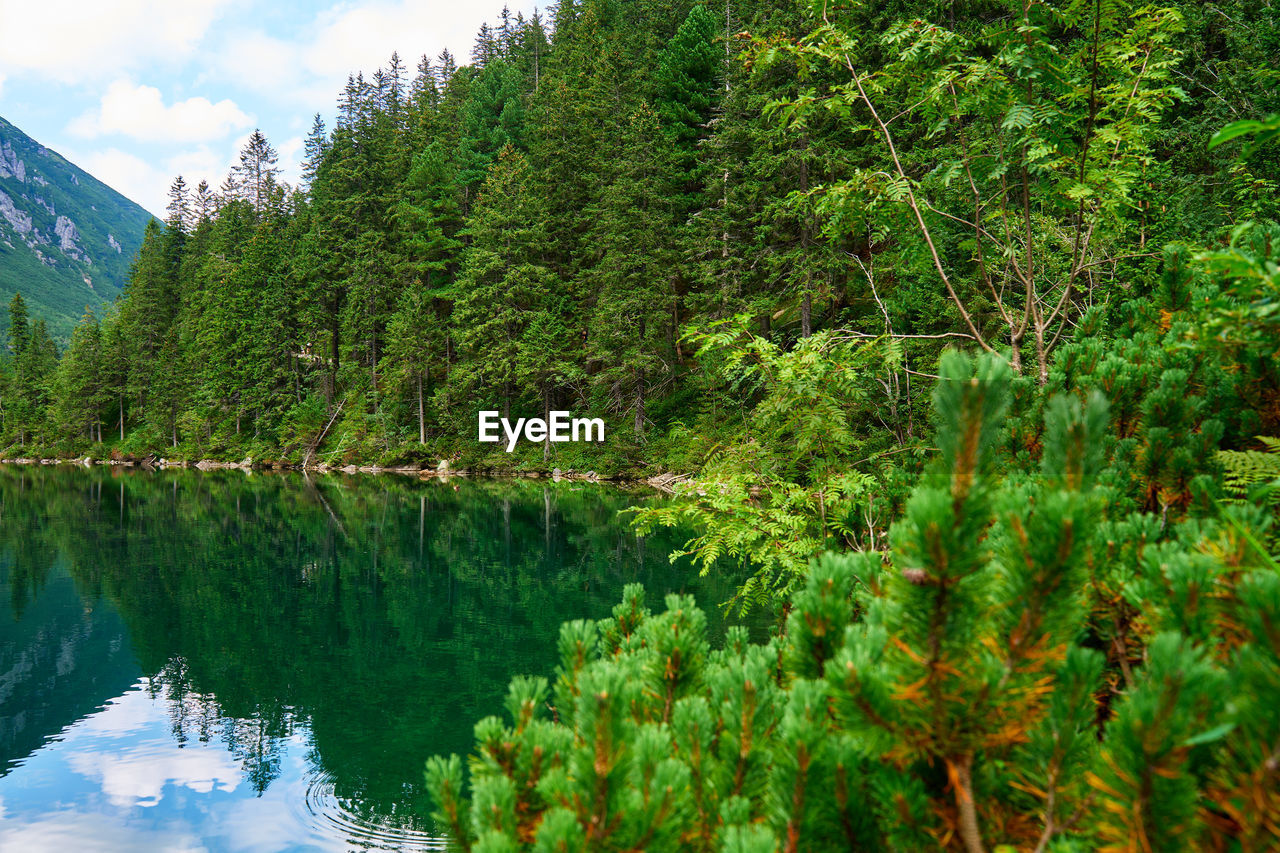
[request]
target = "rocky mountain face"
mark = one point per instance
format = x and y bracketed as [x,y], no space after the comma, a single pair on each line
[66,239]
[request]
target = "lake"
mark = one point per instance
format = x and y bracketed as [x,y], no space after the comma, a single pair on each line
[231,661]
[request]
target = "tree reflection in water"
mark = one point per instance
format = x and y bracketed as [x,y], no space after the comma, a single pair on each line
[380,616]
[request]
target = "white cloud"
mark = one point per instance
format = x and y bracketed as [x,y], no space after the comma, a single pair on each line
[140,112]
[347,38]
[240,70]
[354,38]
[138,777]
[77,42]
[127,174]
[147,181]
[360,37]
[65,829]
[81,793]
[290,159]
[1,84]
[258,62]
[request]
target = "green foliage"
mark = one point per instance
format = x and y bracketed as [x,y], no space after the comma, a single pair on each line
[633,229]
[80,384]
[1245,314]
[504,287]
[945,696]
[1260,132]
[1245,469]
[787,486]
[27,385]
[539,230]
[1063,640]
[1030,137]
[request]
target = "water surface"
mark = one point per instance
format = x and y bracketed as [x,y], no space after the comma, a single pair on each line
[222,661]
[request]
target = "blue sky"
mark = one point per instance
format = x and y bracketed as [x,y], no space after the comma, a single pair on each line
[137,91]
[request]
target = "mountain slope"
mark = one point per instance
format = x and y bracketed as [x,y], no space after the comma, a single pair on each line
[66,238]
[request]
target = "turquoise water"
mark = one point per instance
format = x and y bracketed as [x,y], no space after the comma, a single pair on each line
[223,661]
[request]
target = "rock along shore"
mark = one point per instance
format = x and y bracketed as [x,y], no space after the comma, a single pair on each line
[663,482]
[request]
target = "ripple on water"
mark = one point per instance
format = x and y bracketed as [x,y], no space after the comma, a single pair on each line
[329,814]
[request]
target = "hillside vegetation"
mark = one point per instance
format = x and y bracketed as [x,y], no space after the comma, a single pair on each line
[543,227]
[66,239]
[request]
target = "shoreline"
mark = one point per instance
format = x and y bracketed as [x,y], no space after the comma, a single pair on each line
[664,482]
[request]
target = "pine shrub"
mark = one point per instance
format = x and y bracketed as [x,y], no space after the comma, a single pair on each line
[967,690]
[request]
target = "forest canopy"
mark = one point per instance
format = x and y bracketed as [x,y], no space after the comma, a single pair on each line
[553,224]
[959,318]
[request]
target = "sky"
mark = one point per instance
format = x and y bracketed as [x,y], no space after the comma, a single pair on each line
[138,91]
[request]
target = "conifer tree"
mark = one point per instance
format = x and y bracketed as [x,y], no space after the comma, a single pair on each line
[115,370]
[686,83]
[427,224]
[487,47]
[150,308]
[503,284]
[33,369]
[530,49]
[424,99]
[228,190]
[491,118]
[179,207]
[314,149]
[635,309]
[417,336]
[446,67]
[394,99]
[820,739]
[204,204]
[18,409]
[80,390]
[256,172]
[19,325]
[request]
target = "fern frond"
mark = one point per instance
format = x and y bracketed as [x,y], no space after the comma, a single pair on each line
[1245,469]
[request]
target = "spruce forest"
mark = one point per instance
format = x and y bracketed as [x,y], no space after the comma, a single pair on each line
[959,320]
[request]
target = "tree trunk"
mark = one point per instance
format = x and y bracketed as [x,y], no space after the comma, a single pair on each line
[1042,356]
[448,365]
[422,424]
[806,304]
[639,422]
[969,833]
[334,341]
[675,325]
[546,417]
[122,417]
